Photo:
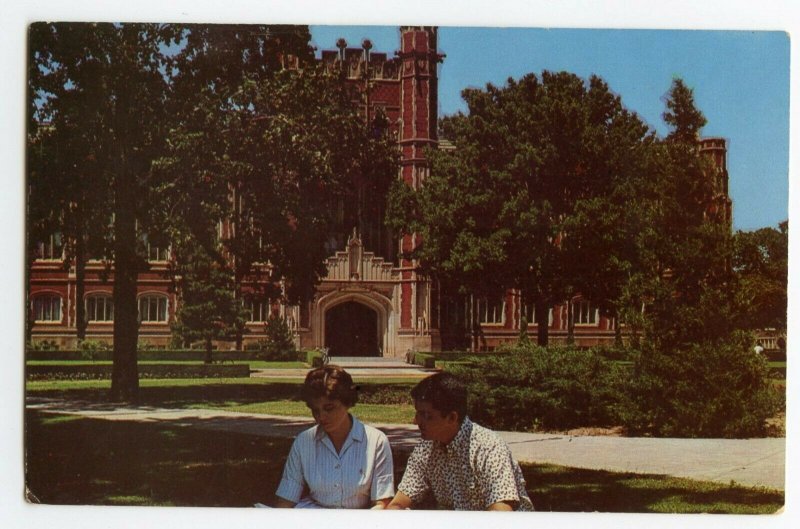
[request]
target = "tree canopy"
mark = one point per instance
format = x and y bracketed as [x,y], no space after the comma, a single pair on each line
[165,131]
[516,204]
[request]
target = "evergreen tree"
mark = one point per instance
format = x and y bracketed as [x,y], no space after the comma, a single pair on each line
[279,343]
[208,309]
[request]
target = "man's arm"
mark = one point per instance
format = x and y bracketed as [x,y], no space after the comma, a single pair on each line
[400,502]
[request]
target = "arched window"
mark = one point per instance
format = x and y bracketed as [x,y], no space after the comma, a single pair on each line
[153,308]
[47,308]
[99,307]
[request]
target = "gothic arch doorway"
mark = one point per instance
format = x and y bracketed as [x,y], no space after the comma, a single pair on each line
[351,329]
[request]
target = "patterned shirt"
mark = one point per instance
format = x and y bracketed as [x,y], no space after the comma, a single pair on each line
[470,473]
[360,474]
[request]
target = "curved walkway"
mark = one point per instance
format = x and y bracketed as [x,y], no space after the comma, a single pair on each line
[750,462]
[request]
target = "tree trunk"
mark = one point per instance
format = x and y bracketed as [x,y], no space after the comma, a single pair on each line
[617,328]
[125,375]
[80,276]
[208,359]
[542,331]
[570,323]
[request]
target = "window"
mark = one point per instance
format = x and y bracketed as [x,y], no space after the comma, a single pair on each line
[157,253]
[99,308]
[583,313]
[258,311]
[154,252]
[491,310]
[532,317]
[47,308]
[51,248]
[153,309]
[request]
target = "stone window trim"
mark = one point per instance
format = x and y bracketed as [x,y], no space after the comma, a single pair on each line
[100,304]
[47,307]
[153,308]
[584,314]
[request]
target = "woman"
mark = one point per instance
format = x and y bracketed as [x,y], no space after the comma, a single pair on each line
[340,462]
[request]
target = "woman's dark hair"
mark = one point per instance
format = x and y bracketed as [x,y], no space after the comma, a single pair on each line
[445,392]
[330,381]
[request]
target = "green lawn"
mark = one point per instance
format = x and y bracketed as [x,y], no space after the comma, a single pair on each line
[75,461]
[380,400]
[372,413]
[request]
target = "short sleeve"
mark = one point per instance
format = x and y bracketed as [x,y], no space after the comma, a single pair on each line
[292,482]
[383,476]
[499,476]
[415,482]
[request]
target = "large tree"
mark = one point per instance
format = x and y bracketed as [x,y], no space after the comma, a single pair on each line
[264,142]
[102,90]
[689,291]
[760,262]
[534,160]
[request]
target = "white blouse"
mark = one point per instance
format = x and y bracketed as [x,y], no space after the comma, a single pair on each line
[356,477]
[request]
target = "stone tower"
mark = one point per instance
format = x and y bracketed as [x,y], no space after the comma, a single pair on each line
[419,89]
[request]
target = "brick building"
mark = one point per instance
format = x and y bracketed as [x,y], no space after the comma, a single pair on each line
[370,302]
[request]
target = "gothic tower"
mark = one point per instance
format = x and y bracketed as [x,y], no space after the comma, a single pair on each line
[418,123]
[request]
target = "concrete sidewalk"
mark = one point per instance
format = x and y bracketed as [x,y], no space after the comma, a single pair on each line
[750,462]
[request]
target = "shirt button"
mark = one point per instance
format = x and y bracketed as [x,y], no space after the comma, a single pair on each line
[338,466]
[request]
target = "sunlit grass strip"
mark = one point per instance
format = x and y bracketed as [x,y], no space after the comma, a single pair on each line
[370,413]
[66,385]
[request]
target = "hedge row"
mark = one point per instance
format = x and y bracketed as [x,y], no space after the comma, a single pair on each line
[428,359]
[154,354]
[93,372]
[710,390]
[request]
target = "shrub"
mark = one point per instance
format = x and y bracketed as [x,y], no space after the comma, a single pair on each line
[279,343]
[92,349]
[424,360]
[144,345]
[314,357]
[43,345]
[708,390]
[532,388]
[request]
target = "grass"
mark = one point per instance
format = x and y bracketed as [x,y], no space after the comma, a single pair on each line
[77,461]
[371,413]
[380,400]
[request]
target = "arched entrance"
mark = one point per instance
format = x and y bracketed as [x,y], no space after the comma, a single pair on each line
[351,329]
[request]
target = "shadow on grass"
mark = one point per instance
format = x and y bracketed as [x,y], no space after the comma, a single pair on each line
[201,462]
[556,488]
[100,462]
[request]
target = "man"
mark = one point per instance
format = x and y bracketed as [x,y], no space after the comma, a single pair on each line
[466,466]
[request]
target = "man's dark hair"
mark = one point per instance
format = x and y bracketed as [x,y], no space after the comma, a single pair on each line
[445,392]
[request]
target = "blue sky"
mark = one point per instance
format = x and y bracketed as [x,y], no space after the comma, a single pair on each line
[740,81]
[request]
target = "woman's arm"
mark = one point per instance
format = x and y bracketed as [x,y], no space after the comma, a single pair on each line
[281,503]
[381,504]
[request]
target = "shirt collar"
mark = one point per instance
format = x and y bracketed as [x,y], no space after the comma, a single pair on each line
[462,437]
[357,431]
